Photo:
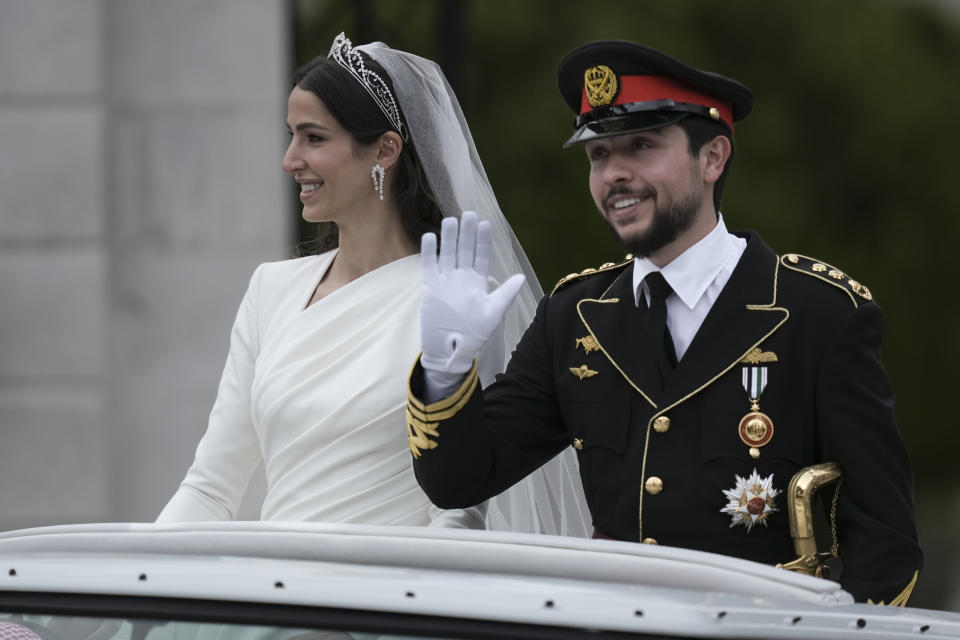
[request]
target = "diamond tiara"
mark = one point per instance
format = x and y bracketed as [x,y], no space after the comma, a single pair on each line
[343,53]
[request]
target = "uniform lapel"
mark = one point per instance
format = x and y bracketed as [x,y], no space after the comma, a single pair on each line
[744,314]
[615,322]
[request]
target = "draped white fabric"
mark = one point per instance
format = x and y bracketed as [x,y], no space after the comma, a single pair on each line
[319,391]
[346,459]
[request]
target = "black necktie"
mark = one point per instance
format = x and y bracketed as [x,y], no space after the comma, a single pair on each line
[662,343]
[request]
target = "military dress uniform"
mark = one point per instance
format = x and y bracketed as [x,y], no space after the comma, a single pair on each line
[658,462]
[784,372]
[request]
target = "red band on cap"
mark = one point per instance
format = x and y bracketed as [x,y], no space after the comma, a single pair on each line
[649,88]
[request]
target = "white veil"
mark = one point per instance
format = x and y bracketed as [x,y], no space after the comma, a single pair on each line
[551,499]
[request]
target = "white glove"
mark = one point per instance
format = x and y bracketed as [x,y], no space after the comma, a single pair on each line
[457,315]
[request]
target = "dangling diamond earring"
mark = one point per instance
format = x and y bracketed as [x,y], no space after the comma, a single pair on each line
[377,173]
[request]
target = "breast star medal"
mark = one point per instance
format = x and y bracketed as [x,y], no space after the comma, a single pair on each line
[751,501]
[756,428]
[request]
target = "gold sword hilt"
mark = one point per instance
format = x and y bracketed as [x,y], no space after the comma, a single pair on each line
[800,494]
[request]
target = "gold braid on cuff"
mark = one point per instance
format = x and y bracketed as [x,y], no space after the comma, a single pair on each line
[901,599]
[422,419]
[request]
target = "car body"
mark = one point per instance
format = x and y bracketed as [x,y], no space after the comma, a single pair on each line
[310,580]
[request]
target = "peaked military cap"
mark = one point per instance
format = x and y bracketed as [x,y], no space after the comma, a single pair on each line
[618,87]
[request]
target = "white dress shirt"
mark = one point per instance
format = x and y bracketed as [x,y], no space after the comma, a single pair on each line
[697,276]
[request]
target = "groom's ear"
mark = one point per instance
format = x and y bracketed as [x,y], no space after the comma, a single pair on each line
[389,148]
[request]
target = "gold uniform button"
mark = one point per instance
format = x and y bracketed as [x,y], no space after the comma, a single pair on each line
[653,485]
[661,424]
[578,444]
[650,541]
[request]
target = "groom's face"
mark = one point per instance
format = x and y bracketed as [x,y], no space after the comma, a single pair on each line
[646,185]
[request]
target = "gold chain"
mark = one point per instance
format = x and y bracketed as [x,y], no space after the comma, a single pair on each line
[835,549]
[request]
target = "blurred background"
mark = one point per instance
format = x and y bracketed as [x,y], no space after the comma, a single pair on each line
[140,184]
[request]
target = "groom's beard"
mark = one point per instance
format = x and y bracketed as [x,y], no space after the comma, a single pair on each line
[669,221]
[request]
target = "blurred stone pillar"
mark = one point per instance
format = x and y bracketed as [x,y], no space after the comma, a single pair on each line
[140,183]
[196,100]
[54,465]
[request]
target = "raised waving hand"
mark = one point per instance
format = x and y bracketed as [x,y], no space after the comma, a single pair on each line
[457,313]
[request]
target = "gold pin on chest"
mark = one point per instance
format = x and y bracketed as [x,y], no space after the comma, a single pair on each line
[583,371]
[589,343]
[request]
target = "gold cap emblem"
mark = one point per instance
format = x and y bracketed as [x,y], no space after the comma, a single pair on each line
[600,83]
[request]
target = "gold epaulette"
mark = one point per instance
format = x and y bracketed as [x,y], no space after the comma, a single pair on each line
[422,419]
[606,266]
[827,273]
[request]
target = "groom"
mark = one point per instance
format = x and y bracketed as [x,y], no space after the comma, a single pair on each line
[693,378]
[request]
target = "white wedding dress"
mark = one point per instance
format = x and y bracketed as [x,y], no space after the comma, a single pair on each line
[319,393]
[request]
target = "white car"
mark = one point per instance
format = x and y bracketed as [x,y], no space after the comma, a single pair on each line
[312,581]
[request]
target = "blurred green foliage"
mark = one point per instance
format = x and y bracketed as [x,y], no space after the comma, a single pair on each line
[847,157]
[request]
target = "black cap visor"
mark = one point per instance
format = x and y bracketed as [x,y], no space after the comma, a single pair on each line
[621,119]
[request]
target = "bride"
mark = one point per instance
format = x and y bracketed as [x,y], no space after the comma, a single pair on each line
[314,383]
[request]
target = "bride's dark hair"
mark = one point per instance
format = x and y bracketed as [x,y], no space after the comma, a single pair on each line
[355,110]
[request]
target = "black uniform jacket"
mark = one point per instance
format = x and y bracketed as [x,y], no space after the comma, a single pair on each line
[584,376]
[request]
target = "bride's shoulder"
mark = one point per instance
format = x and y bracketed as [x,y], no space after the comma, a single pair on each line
[285,271]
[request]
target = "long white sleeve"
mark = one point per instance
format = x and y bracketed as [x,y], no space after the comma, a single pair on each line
[229,451]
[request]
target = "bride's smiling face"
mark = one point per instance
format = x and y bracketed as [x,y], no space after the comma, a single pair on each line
[332,170]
